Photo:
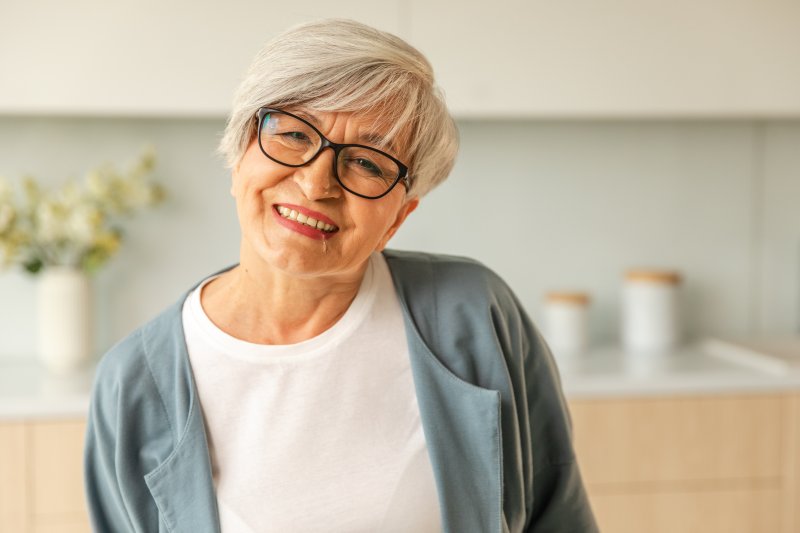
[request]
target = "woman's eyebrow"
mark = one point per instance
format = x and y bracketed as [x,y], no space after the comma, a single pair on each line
[367,137]
[304,115]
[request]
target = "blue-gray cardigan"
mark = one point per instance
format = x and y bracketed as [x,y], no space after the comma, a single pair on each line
[493,415]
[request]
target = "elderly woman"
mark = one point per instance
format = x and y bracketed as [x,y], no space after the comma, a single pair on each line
[324,383]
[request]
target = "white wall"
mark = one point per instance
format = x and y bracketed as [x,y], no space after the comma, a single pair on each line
[561,204]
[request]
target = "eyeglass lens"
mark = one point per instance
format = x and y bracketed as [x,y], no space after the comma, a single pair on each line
[293,142]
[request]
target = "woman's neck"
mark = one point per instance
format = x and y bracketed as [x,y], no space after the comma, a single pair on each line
[256,303]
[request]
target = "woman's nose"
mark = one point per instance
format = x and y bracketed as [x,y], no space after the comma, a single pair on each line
[316,179]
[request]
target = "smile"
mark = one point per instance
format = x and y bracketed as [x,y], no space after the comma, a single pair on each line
[311,222]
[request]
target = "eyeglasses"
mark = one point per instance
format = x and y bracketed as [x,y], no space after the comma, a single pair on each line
[361,170]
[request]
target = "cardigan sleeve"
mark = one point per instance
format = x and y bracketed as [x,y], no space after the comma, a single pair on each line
[103,484]
[126,436]
[559,502]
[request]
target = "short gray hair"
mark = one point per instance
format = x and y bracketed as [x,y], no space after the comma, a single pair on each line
[344,65]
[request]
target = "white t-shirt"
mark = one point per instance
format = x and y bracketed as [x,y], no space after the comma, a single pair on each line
[321,435]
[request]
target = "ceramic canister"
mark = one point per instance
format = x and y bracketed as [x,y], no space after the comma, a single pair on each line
[650,310]
[566,328]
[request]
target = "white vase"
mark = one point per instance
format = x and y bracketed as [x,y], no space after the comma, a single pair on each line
[65,319]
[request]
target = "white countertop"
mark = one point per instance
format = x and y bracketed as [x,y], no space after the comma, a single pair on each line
[692,369]
[28,391]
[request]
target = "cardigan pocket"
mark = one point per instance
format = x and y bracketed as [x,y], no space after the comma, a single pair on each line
[182,486]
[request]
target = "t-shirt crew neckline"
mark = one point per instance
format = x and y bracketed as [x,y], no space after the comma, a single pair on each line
[301,351]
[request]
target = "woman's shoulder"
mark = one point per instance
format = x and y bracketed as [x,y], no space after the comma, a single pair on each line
[131,357]
[143,380]
[444,273]
[415,257]
[162,334]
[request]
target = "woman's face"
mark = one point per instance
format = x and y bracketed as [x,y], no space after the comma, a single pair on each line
[263,189]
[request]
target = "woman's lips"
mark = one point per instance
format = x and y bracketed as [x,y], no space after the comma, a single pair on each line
[324,228]
[309,213]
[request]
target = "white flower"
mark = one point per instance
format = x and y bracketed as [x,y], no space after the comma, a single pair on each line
[7,214]
[140,194]
[82,224]
[7,211]
[74,224]
[97,186]
[49,222]
[69,196]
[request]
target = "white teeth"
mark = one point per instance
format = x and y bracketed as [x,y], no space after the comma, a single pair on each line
[291,214]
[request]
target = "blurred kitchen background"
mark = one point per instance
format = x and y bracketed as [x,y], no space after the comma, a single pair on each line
[595,136]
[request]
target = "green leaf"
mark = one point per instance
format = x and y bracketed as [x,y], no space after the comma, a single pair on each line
[33,266]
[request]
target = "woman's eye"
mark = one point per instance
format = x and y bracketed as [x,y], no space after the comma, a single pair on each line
[296,136]
[368,165]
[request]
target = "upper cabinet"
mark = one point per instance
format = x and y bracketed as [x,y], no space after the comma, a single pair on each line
[506,58]
[146,57]
[615,58]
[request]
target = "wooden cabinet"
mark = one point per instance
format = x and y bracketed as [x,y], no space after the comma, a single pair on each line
[13,486]
[704,464]
[41,478]
[56,476]
[728,510]
[691,464]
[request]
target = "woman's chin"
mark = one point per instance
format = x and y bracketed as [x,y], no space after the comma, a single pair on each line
[301,257]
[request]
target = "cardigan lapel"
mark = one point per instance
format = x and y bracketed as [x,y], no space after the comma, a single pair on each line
[461,421]
[182,485]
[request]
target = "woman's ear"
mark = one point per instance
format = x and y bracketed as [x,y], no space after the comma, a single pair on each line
[405,210]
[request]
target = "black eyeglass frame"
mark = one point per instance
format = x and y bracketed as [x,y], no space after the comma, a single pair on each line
[337,148]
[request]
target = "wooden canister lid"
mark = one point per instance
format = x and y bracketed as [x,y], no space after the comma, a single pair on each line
[653,275]
[581,298]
